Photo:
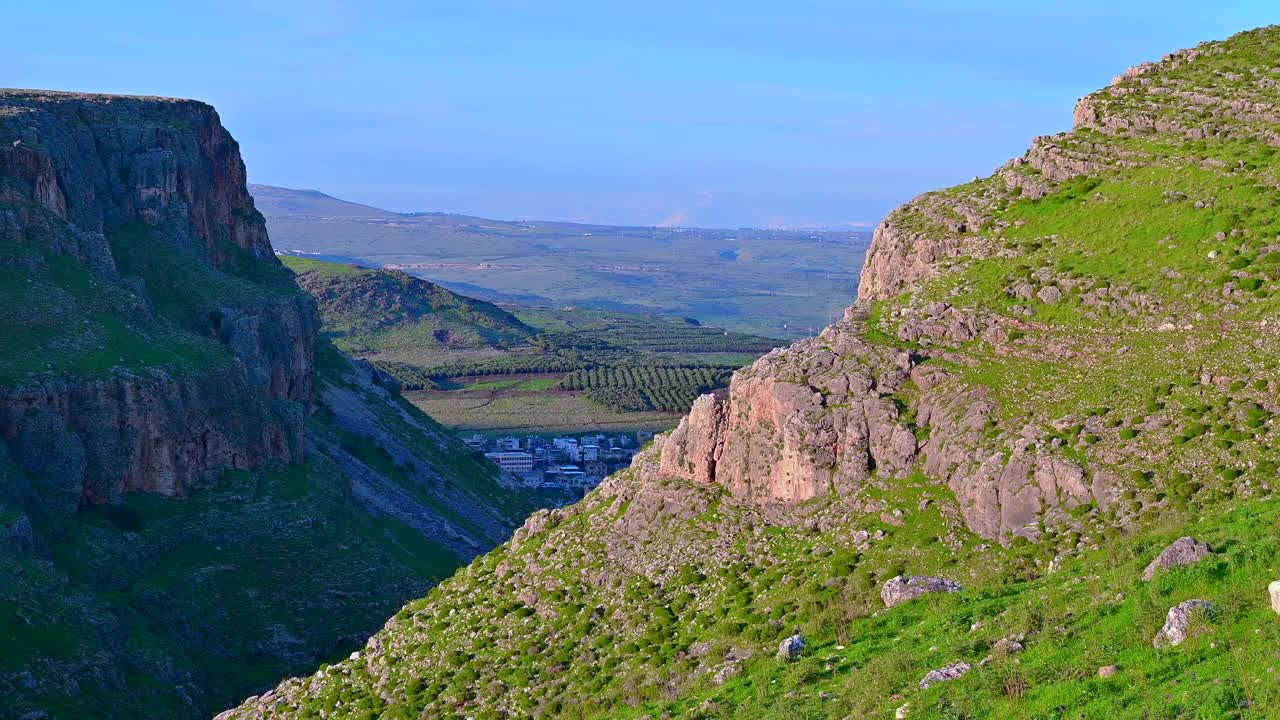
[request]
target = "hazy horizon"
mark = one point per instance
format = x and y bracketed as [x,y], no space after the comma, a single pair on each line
[851,227]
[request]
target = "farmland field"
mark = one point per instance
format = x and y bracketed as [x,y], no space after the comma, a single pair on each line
[477,366]
[527,404]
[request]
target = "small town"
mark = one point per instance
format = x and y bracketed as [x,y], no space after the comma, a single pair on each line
[575,463]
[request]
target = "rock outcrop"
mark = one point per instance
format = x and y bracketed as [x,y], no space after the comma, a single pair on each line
[791,648]
[99,161]
[944,674]
[820,417]
[805,421]
[91,441]
[1183,551]
[899,590]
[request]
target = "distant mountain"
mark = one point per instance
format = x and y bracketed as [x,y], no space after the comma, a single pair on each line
[366,309]
[277,201]
[777,283]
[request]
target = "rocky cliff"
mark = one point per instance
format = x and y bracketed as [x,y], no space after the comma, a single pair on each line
[198,494]
[944,505]
[85,175]
[823,416]
[920,285]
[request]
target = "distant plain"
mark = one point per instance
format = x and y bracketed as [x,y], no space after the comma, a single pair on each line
[784,284]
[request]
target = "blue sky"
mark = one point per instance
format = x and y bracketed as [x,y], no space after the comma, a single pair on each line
[703,113]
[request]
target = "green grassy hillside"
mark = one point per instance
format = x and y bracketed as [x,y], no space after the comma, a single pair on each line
[1051,374]
[368,311]
[684,621]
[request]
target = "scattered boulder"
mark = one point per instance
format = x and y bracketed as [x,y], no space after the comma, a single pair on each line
[1177,626]
[899,590]
[943,674]
[1050,295]
[1011,645]
[1183,551]
[792,647]
[1274,589]
[1107,671]
[726,671]
[17,535]
[903,710]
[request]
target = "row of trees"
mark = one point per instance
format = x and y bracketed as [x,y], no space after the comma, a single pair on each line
[646,388]
[646,377]
[522,364]
[685,339]
[621,378]
[567,360]
[410,377]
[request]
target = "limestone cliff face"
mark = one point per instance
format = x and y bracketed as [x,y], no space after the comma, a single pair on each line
[150,341]
[801,422]
[93,440]
[104,160]
[820,417]
[76,172]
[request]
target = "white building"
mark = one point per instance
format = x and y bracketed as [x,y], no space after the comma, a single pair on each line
[508,443]
[590,453]
[571,474]
[517,463]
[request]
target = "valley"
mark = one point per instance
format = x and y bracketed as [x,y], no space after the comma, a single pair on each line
[266,454]
[476,366]
[1030,472]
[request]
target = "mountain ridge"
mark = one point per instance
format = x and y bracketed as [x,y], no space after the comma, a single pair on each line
[782,281]
[1049,374]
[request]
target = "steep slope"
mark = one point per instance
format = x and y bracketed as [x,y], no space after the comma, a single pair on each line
[369,310]
[1049,375]
[289,499]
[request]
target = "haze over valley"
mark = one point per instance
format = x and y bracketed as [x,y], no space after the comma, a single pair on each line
[779,283]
